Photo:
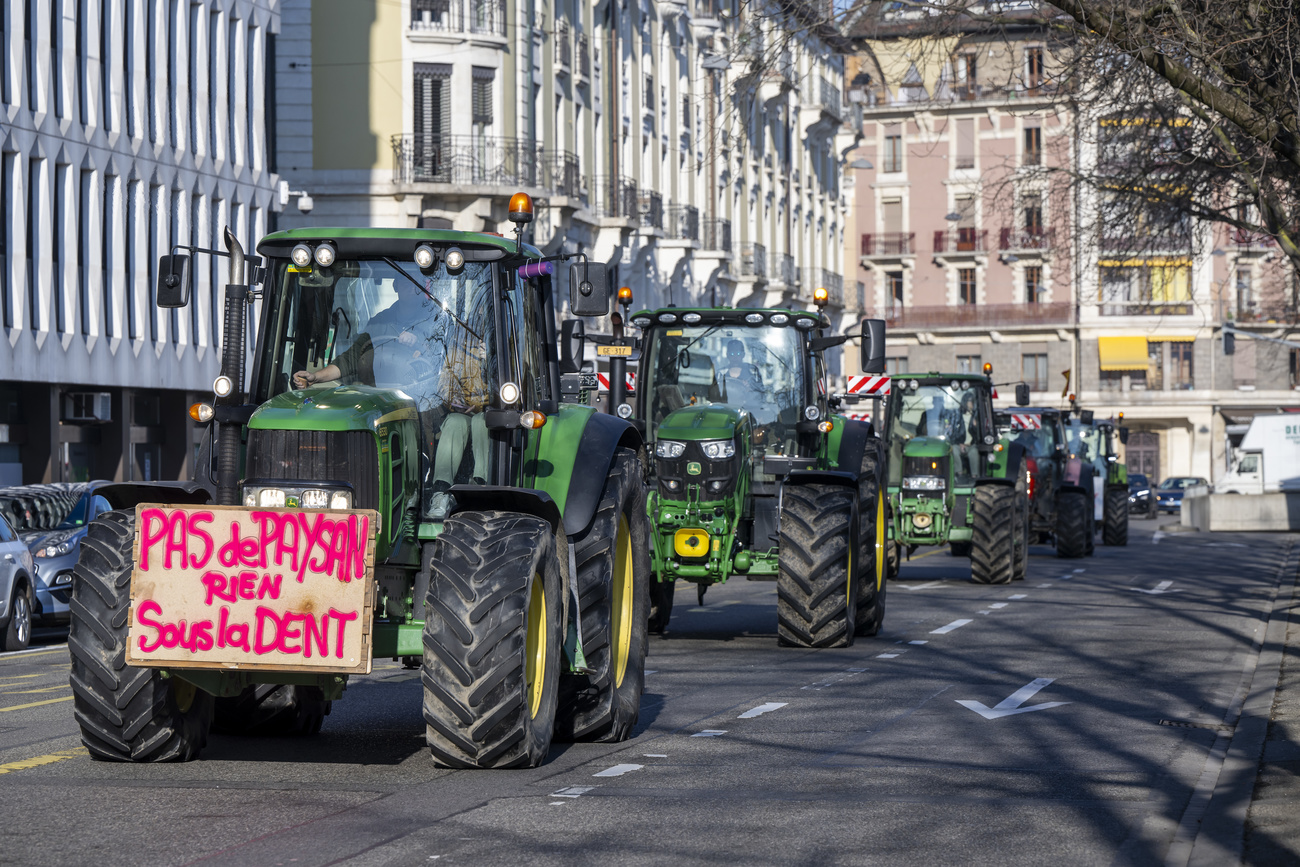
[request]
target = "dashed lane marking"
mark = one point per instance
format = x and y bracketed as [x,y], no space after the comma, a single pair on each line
[1018,596]
[888,655]
[31,691]
[62,648]
[655,755]
[710,733]
[833,679]
[37,761]
[618,770]
[572,791]
[36,704]
[999,604]
[920,586]
[762,709]
[944,630]
[1044,585]
[1077,571]
[918,641]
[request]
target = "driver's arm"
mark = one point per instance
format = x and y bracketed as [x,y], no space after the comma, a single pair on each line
[345,365]
[328,373]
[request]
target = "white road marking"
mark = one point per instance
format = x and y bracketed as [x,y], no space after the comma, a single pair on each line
[710,733]
[984,611]
[887,655]
[999,604]
[835,678]
[1045,585]
[919,641]
[1156,537]
[618,770]
[655,755]
[1077,571]
[1162,587]
[762,709]
[572,791]
[1018,596]
[944,630]
[651,671]
[1012,703]
[920,586]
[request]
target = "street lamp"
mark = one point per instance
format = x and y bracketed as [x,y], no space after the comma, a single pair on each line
[861,163]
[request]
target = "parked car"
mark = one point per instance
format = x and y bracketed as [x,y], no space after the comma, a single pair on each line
[1140,499]
[52,520]
[1169,493]
[16,571]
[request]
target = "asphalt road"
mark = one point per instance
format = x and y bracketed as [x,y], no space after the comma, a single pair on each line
[1077,717]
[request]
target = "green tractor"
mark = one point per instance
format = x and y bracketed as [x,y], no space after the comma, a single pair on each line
[952,480]
[1093,443]
[404,381]
[754,474]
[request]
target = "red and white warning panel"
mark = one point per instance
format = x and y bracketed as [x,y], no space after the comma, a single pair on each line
[869,386]
[603,380]
[1026,421]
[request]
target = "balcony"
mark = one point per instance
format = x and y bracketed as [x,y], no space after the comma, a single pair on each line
[1126,242]
[830,281]
[981,316]
[683,222]
[889,244]
[615,197]
[784,270]
[561,174]
[1025,240]
[717,235]
[961,241]
[563,47]
[753,261]
[651,206]
[584,56]
[449,16]
[465,160]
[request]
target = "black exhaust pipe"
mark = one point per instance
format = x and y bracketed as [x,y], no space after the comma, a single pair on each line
[229,433]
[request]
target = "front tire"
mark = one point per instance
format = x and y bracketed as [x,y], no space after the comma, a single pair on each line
[18,634]
[492,638]
[613,558]
[993,547]
[1114,529]
[1072,524]
[126,713]
[872,585]
[816,596]
[661,604]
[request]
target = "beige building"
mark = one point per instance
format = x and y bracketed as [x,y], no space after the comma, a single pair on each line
[973,247]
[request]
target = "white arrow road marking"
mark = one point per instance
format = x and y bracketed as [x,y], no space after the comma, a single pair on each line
[572,791]
[618,770]
[944,630]
[762,709]
[1156,537]
[920,586]
[710,733]
[1162,587]
[1012,703]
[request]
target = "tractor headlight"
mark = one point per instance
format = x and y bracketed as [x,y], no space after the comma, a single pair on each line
[716,450]
[222,386]
[424,257]
[301,256]
[315,498]
[341,500]
[271,498]
[325,255]
[455,259]
[670,449]
[925,483]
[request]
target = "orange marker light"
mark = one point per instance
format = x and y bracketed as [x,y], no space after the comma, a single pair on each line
[825,427]
[201,412]
[625,295]
[988,368]
[532,419]
[521,208]
[821,296]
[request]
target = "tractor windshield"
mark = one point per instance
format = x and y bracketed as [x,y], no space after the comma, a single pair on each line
[1086,441]
[948,411]
[756,369]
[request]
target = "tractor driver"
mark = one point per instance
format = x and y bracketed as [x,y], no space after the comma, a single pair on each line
[742,383]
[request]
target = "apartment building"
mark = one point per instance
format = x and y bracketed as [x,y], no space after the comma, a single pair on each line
[694,147]
[974,245]
[128,126]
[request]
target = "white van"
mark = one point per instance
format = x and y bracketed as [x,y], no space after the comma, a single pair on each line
[1268,459]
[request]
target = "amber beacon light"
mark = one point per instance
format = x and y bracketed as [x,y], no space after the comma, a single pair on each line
[521,208]
[821,296]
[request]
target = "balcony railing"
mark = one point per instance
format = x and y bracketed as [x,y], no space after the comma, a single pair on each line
[981,315]
[683,222]
[465,159]
[615,197]
[1026,239]
[563,47]
[717,235]
[584,56]
[561,174]
[961,241]
[830,281]
[487,16]
[830,98]
[1129,242]
[889,244]
[784,270]
[449,16]
[753,261]
[651,206]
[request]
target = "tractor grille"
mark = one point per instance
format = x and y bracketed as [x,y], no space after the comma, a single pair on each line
[914,466]
[318,456]
[716,479]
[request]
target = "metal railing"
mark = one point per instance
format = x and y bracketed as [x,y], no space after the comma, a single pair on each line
[834,284]
[561,174]
[584,56]
[487,16]
[563,47]
[981,315]
[784,270]
[683,222]
[449,16]
[651,206]
[1173,241]
[615,197]
[889,244]
[465,159]
[961,241]
[753,261]
[830,98]
[1025,239]
[717,235]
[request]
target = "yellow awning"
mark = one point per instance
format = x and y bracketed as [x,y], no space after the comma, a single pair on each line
[1122,353]
[1178,338]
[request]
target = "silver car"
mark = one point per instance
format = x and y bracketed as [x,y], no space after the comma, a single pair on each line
[16,571]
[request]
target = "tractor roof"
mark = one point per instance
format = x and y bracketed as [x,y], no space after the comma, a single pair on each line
[934,377]
[354,243]
[736,315]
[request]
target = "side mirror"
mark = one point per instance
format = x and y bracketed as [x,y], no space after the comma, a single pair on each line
[588,290]
[573,342]
[1123,435]
[873,346]
[1085,416]
[1022,394]
[173,281]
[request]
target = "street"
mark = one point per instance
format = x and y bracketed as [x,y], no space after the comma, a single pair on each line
[1066,719]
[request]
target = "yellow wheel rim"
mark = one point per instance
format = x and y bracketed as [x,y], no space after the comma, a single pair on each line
[184,693]
[535,647]
[880,542]
[621,605]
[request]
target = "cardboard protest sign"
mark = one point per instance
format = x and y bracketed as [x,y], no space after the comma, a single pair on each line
[229,587]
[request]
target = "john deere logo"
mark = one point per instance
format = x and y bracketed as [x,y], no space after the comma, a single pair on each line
[693,468]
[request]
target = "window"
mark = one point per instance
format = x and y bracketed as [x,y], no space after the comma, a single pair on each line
[965,66]
[1245,293]
[891,212]
[1033,370]
[966,285]
[482,107]
[1295,368]
[1180,365]
[1033,68]
[432,15]
[896,365]
[432,118]
[966,143]
[893,161]
[648,102]
[1032,212]
[1033,146]
[894,289]
[968,364]
[6,207]
[1162,288]
[1033,283]
[33,209]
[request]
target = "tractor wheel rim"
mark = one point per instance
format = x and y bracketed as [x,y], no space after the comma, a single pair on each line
[880,542]
[22,618]
[535,647]
[184,693]
[621,604]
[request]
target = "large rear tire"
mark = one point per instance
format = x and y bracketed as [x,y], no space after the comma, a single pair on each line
[873,558]
[613,558]
[661,604]
[993,547]
[816,587]
[1072,524]
[492,638]
[272,710]
[1114,530]
[126,714]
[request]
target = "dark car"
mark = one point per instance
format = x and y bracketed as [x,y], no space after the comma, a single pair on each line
[1140,499]
[1169,494]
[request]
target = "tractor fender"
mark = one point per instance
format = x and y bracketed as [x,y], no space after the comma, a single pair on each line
[1073,489]
[822,477]
[602,436]
[853,441]
[128,495]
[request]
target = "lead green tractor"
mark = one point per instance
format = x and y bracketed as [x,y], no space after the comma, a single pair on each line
[755,475]
[404,381]
[952,479]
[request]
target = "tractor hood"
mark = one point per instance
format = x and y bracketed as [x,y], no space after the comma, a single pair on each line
[927,447]
[714,422]
[346,407]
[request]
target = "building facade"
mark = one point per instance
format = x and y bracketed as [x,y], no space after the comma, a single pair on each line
[694,147]
[976,246]
[128,126]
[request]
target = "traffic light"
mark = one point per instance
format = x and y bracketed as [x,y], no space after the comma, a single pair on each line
[1229,342]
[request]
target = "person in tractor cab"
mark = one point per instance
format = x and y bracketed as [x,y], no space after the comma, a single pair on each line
[742,383]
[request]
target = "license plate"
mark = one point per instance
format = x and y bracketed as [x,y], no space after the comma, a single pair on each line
[614,350]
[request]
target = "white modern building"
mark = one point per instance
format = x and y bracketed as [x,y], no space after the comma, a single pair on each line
[125,127]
